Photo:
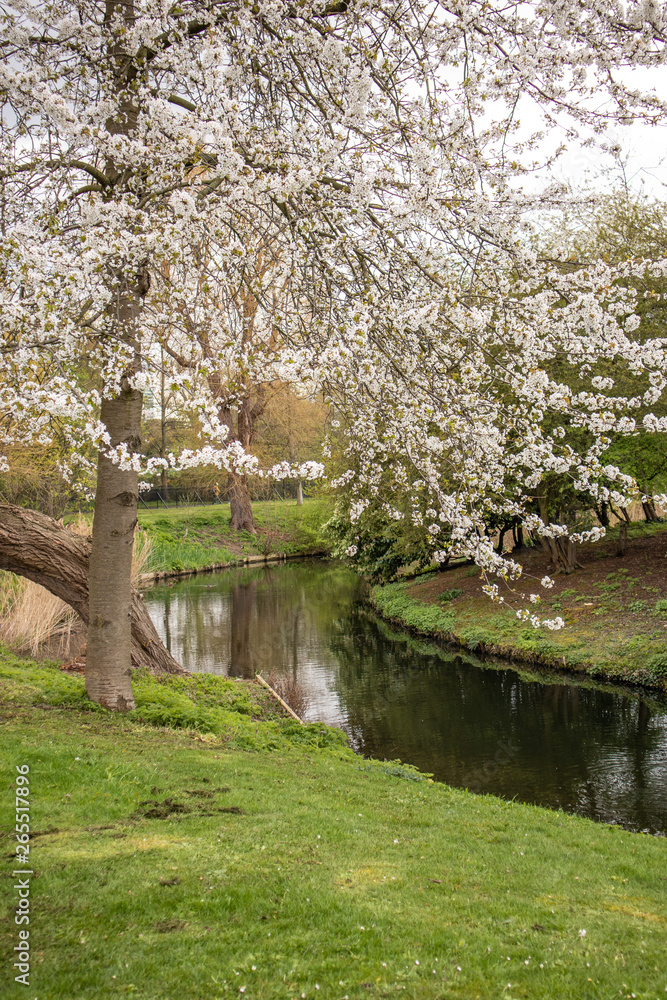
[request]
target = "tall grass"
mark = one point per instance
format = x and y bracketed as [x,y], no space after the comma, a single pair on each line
[31,617]
[141,553]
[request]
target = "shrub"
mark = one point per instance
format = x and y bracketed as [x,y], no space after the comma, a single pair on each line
[450,595]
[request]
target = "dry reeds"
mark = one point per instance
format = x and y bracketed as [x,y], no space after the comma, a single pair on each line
[290,690]
[31,617]
[141,553]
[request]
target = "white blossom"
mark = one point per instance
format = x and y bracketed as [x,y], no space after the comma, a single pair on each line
[369,197]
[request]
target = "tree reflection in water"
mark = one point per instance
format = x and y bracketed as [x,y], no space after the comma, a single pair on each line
[493,728]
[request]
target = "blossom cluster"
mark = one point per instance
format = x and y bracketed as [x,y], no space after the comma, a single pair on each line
[231,196]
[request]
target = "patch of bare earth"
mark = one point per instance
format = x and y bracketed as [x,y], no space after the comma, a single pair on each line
[611,606]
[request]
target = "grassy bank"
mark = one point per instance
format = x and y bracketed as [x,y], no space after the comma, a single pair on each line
[188,538]
[241,855]
[615,610]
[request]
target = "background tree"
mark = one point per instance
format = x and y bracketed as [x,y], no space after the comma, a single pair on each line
[614,230]
[232,343]
[633,225]
[293,424]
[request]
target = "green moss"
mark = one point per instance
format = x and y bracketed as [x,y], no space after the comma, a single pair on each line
[228,710]
[393,602]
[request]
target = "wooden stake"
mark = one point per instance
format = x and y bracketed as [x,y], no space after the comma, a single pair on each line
[275,694]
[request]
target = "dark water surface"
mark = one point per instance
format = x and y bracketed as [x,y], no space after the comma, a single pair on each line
[540,738]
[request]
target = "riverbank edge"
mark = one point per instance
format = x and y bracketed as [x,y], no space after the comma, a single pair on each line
[636,679]
[517,656]
[146,580]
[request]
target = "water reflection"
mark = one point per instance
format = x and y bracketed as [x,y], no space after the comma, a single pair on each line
[537,738]
[261,620]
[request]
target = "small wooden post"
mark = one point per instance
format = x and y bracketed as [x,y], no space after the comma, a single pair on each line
[275,694]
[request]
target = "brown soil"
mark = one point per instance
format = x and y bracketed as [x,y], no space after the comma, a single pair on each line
[614,608]
[644,567]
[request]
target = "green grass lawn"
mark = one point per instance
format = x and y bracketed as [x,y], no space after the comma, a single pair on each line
[184,538]
[243,856]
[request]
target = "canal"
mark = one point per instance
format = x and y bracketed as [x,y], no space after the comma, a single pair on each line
[489,726]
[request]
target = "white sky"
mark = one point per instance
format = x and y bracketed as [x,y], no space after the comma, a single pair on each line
[642,158]
[642,162]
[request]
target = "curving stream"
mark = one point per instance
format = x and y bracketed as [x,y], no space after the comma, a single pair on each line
[536,736]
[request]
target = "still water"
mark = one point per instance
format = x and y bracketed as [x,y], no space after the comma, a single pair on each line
[488,726]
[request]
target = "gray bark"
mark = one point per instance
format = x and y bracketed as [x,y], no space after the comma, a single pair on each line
[109,647]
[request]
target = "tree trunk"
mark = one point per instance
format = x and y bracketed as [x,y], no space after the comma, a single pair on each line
[240,504]
[622,539]
[109,645]
[39,548]
[501,537]
[563,552]
[650,514]
[247,414]
[602,513]
[623,516]
[299,493]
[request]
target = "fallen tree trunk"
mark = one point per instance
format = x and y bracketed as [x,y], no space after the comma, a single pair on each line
[39,548]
